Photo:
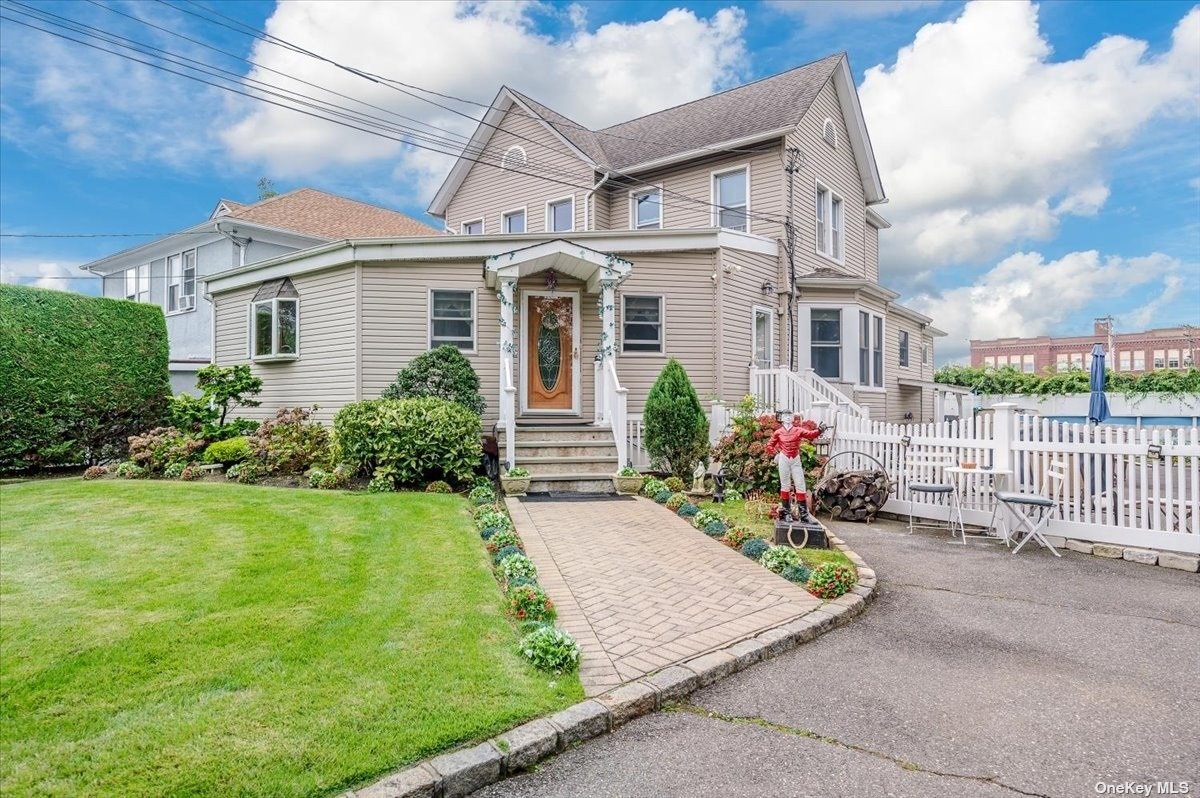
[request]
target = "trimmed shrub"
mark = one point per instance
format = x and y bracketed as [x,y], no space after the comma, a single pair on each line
[518,566]
[736,536]
[652,486]
[289,443]
[128,469]
[776,558]
[483,494]
[688,510]
[505,553]
[79,375]
[529,603]
[676,501]
[439,486]
[228,452]
[754,548]
[662,496]
[714,529]
[442,373]
[674,484]
[421,439]
[95,472]
[676,428]
[551,650]
[503,539]
[163,447]
[830,580]
[796,573]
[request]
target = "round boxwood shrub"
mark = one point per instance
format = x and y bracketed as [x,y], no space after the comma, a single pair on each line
[830,580]
[529,603]
[776,558]
[518,566]
[506,552]
[421,439]
[662,496]
[551,650]
[228,452]
[439,486]
[796,573]
[442,373]
[714,529]
[754,548]
[676,501]
[688,510]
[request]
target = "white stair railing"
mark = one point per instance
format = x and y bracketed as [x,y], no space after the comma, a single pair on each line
[783,389]
[616,403]
[508,409]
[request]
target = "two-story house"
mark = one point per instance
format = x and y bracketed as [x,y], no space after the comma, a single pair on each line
[735,233]
[169,271]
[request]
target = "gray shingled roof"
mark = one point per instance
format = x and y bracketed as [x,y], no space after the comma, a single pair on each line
[768,104]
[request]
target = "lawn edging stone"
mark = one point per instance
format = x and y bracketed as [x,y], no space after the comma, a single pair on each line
[523,747]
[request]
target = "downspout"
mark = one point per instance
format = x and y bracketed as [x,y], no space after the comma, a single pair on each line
[240,243]
[587,202]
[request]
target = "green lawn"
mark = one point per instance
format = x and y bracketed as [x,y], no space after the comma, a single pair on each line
[168,638]
[765,528]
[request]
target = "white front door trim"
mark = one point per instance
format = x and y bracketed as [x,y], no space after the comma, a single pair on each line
[523,371]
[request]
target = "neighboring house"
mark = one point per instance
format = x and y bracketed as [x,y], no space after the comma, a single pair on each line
[579,261]
[1160,348]
[169,271]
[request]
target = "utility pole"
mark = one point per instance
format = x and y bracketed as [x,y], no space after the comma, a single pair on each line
[789,230]
[1189,333]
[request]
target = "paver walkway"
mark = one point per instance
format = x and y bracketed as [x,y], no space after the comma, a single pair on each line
[639,588]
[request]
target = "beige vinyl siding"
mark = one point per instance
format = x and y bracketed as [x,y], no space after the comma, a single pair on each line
[685,282]
[324,374]
[871,250]
[395,323]
[836,169]
[742,275]
[489,191]
[694,181]
[903,400]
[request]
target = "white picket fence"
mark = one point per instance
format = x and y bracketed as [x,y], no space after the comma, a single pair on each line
[1136,487]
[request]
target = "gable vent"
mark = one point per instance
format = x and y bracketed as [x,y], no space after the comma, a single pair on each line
[514,157]
[829,133]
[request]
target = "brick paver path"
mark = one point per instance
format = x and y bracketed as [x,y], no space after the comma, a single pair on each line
[639,588]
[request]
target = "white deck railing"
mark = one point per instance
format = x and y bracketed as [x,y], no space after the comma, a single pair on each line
[798,391]
[1124,485]
[612,403]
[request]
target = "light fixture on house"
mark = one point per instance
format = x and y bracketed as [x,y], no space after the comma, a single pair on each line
[551,279]
[768,288]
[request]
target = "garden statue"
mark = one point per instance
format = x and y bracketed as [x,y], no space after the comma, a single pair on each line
[698,478]
[785,447]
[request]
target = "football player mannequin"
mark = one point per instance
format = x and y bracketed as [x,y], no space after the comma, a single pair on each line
[785,447]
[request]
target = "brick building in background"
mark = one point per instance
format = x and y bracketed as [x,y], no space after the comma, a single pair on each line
[1163,348]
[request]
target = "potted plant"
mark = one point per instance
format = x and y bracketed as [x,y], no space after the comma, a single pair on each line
[628,481]
[515,481]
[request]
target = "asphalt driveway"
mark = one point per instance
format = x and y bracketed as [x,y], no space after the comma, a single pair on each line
[973,674]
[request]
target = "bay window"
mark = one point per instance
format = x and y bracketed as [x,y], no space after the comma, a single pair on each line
[275,321]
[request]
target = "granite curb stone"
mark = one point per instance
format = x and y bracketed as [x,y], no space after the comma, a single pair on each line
[629,701]
[464,771]
[712,666]
[528,744]
[580,722]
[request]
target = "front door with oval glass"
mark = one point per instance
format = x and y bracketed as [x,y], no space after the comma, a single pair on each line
[550,351]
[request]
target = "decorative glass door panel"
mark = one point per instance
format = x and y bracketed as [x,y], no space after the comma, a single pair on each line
[550,352]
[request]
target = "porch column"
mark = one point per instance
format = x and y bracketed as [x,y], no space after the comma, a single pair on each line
[508,391]
[608,342]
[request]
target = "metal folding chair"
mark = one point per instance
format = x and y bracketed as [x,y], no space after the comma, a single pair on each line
[1022,507]
[932,464]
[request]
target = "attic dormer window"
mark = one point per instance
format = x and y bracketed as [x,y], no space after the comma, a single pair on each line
[829,133]
[514,156]
[275,322]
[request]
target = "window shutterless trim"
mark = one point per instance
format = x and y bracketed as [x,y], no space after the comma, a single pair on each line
[550,217]
[717,207]
[633,195]
[755,311]
[462,227]
[429,319]
[662,327]
[505,215]
[275,355]
[825,248]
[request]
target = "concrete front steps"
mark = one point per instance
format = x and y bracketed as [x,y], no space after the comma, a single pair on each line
[566,458]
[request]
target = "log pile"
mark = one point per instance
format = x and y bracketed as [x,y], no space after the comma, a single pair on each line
[853,495]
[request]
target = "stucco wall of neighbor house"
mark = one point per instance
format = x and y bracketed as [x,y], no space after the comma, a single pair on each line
[835,168]
[694,180]
[742,275]
[488,191]
[325,372]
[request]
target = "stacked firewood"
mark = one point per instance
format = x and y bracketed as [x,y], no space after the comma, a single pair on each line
[853,495]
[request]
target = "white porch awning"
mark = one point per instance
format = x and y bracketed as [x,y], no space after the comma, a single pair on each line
[562,256]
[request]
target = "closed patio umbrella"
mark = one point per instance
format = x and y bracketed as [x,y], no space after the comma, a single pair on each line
[1098,404]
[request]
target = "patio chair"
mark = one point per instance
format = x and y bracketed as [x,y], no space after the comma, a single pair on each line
[932,465]
[1023,507]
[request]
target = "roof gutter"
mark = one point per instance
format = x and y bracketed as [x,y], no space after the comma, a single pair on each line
[240,243]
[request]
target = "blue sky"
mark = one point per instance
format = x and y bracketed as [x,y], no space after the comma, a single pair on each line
[1042,161]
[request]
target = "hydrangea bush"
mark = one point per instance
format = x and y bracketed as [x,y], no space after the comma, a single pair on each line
[776,558]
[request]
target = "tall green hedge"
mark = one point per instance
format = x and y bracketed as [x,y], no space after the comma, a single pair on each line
[78,376]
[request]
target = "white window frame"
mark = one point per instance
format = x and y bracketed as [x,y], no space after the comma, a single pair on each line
[903,354]
[989,361]
[506,215]
[662,327]
[924,353]
[841,310]
[823,208]
[716,200]
[1139,360]
[1173,358]
[462,227]
[141,283]
[1124,359]
[878,350]
[550,217]
[1160,359]
[755,312]
[1030,361]
[186,302]
[474,317]
[275,354]
[633,195]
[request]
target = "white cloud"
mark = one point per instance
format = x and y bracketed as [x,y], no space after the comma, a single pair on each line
[46,274]
[1025,294]
[1151,313]
[984,142]
[617,71]
[819,13]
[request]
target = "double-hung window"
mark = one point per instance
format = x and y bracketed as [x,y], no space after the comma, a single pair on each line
[990,361]
[474,228]
[641,324]
[275,322]
[181,281]
[452,319]
[1027,364]
[762,338]
[864,348]
[1160,358]
[560,215]
[1172,358]
[731,198]
[877,353]
[903,347]
[924,354]
[1139,360]
[513,222]
[647,209]
[826,342]
[137,283]
[1123,361]
[831,224]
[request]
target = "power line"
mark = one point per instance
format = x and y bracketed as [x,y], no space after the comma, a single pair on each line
[106,235]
